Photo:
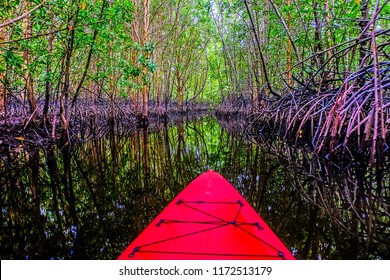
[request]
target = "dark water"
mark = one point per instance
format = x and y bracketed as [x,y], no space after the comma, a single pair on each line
[89,201]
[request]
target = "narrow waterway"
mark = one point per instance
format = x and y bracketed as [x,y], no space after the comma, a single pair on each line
[90,200]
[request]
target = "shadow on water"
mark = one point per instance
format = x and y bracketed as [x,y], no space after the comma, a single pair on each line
[89,201]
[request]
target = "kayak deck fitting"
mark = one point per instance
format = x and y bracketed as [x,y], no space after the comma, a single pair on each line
[208,220]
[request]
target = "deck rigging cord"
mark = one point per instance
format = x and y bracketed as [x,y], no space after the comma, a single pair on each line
[217,223]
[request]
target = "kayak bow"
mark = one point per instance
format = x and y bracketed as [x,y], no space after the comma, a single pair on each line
[208,220]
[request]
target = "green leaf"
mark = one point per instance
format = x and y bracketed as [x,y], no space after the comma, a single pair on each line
[134,71]
[13,59]
[152,67]
[149,47]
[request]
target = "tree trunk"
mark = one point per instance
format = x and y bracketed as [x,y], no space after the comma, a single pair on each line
[231,71]
[145,38]
[179,85]
[362,24]
[288,52]
[318,36]
[65,89]
[262,59]
[92,47]
[135,27]
[3,87]
[29,87]
[112,76]
[48,84]
[328,41]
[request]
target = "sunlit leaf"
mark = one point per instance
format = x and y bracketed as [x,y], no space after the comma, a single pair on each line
[83,5]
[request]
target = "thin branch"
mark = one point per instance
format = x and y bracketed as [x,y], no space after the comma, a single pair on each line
[34,36]
[286,28]
[260,50]
[22,16]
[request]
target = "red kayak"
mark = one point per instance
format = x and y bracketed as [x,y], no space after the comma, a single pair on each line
[208,220]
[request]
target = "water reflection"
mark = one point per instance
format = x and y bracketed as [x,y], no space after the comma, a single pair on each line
[91,200]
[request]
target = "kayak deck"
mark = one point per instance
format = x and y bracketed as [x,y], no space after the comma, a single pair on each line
[208,220]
